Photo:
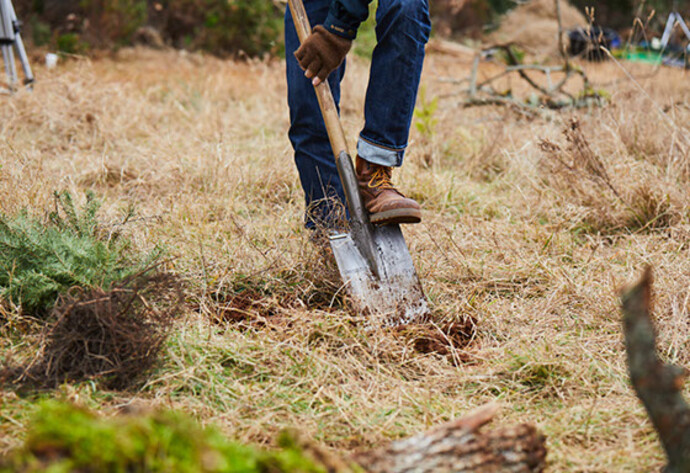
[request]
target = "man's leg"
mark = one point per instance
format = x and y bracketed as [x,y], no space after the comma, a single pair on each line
[308,135]
[402,31]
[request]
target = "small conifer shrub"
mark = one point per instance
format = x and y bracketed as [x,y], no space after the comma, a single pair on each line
[43,258]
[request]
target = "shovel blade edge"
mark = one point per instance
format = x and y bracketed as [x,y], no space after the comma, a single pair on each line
[396,297]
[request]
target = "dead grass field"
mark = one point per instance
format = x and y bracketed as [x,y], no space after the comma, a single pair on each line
[532,244]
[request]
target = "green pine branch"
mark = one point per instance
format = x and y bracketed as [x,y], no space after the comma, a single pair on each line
[39,259]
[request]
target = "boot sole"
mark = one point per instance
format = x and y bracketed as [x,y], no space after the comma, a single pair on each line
[398,216]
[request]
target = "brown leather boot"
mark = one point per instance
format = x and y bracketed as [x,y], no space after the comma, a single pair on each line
[383,202]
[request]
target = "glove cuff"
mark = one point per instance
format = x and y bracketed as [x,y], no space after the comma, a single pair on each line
[337,44]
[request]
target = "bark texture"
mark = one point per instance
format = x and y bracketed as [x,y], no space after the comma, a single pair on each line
[459,446]
[658,385]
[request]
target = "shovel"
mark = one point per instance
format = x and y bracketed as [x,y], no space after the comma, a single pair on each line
[374,261]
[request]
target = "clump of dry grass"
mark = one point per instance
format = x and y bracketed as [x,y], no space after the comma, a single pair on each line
[636,201]
[476,150]
[309,281]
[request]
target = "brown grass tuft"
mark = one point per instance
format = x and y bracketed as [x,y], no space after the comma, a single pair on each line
[259,299]
[580,175]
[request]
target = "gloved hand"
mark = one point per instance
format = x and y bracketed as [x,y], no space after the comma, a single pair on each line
[322,53]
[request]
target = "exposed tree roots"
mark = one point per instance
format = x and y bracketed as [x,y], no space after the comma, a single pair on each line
[114,336]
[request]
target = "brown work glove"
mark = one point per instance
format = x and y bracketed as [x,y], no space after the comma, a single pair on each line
[321,53]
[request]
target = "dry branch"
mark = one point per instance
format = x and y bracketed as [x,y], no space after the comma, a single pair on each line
[459,446]
[657,384]
[561,45]
[553,96]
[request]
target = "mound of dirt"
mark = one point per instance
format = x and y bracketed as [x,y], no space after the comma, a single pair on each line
[448,339]
[534,26]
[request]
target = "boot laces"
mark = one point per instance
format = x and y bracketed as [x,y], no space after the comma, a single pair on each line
[381,178]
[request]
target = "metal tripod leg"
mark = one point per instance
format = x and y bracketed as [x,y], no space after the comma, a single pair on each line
[19,44]
[24,60]
[10,36]
[8,57]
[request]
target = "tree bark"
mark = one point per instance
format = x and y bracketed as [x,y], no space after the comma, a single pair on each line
[658,385]
[459,446]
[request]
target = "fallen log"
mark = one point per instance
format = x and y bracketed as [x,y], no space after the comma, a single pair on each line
[658,385]
[460,446]
[131,436]
[455,447]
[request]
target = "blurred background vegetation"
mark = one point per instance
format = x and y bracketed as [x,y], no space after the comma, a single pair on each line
[224,27]
[254,27]
[472,18]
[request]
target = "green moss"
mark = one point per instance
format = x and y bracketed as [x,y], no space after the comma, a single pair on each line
[66,438]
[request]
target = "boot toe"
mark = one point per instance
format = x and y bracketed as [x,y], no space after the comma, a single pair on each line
[396,216]
[397,211]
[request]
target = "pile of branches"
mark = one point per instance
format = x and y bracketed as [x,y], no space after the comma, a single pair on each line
[551,95]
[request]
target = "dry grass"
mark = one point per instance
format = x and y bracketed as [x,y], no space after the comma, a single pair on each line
[640,199]
[533,252]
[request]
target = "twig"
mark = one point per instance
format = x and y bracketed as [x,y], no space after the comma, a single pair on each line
[536,67]
[494,78]
[473,76]
[561,47]
[514,62]
[451,80]
[519,107]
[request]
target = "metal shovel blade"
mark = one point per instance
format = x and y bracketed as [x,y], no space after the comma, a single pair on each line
[396,296]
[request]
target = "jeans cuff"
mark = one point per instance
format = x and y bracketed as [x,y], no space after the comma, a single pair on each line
[379,155]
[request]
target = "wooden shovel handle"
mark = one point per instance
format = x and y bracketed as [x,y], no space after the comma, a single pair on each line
[323,90]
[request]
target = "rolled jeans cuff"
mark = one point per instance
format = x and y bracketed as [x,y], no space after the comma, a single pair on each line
[378,154]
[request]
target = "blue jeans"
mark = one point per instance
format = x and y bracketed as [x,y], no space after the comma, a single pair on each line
[402,30]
